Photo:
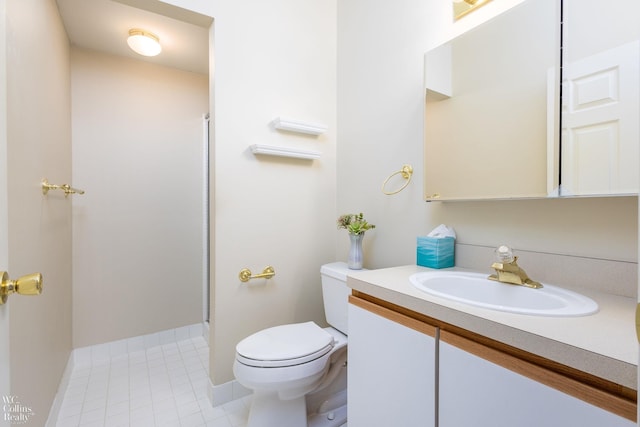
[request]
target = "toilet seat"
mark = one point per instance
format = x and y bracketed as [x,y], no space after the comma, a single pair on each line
[285,345]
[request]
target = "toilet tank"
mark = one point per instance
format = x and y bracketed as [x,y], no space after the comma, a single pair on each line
[335,294]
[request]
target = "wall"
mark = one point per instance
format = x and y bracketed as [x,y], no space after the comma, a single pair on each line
[271,59]
[137,232]
[274,211]
[380,111]
[39,238]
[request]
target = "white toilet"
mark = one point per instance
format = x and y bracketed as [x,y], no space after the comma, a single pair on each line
[298,372]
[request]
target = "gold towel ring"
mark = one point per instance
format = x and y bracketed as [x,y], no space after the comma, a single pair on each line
[406,172]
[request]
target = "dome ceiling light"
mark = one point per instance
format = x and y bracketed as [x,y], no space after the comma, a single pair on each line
[143,42]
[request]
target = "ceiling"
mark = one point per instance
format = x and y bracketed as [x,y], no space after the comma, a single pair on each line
[104,25]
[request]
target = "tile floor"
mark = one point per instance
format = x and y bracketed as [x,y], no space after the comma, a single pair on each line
[162,386]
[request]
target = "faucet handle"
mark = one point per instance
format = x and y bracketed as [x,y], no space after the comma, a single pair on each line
[504,254]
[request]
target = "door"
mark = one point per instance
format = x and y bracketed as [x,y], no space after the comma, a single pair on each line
[479,386]
[5,385]
[600,121]
[392,369]
[35,229]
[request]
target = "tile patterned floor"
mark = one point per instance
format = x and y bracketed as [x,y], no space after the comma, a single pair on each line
[162,386]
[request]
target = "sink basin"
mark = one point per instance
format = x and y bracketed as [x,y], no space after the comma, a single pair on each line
[477,290]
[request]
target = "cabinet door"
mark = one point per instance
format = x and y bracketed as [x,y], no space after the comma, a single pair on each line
[391,372]
[476,392]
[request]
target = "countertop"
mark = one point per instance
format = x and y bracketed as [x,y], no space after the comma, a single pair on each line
[603,344]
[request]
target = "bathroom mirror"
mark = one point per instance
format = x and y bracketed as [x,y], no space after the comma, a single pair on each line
[493,112]
[486,121]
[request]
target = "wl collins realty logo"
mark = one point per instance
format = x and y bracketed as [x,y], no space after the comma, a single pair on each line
[14,411]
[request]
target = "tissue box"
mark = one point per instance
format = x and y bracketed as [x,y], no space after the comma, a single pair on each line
[436,252]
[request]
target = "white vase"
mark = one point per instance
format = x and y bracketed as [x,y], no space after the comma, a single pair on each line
[355,251]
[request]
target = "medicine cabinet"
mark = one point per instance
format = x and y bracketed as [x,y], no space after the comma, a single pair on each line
[508,114]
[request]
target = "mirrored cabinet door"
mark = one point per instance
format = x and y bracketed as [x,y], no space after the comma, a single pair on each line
[487,103]
[601,98]
[515,111]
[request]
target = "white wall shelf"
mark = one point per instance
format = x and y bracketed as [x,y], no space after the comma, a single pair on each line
[299,126]
[272,150]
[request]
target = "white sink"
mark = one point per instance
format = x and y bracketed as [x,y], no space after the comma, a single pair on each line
[476,289]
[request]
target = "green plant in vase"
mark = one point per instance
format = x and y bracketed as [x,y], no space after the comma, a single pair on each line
[356,225]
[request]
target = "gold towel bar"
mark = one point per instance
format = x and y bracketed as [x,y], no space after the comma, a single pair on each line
[64,187]
[406,172]
[245,274]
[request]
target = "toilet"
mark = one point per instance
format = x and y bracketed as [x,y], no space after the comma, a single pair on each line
[298,371]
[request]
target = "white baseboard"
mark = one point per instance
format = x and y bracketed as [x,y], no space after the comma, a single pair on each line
[224,393]
[101,352]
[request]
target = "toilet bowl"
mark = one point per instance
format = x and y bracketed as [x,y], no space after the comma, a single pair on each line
[298,371]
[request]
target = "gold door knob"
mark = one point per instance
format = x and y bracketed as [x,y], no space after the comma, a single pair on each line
[31,284]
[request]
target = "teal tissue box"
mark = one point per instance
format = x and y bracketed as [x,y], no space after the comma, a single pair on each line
[436,253]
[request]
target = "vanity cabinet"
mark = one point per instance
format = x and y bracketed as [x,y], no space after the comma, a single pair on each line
[481,391]
[391,372]
[408,369]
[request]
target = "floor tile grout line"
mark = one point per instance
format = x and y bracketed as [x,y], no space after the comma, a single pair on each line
[155,362]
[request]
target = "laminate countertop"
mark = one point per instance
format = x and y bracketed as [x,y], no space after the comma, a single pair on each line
[603,344]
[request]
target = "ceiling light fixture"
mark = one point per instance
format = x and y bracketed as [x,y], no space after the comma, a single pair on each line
[463,7]
[143,42]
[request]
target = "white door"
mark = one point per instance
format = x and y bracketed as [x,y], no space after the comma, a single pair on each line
[474,391]
[4,312]
[600,123]
[391,371]
[35,229]
[5,385]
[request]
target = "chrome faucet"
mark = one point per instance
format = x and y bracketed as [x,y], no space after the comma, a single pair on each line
[508,270]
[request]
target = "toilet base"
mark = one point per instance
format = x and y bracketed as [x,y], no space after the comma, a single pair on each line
[287,413]
[335,418]
[327,407]
[293,413]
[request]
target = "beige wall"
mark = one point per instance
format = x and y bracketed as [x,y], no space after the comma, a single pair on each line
[272,59]
[380,105]
[381,46]
[268,211]
[39,145]
[137,232]
[382,88]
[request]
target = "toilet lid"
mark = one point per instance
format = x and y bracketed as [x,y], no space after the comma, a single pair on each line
[285,345]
